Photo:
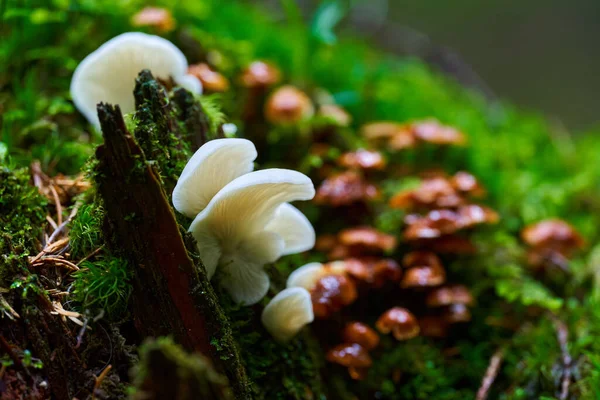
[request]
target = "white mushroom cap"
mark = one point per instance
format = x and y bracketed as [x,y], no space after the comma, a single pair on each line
[213,166]
[307,275]
[108,74]
[232,233]
[287,313]
[295,229]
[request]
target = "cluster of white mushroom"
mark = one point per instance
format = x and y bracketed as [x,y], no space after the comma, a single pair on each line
[108,74]
[242,219]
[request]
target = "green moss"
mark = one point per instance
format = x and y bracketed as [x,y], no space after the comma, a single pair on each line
[85,232]
[278,371]
[103,285]
[166,370]
[22,216]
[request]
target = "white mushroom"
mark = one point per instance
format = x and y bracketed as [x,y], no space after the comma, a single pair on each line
[213,166]
[108,74]
[287,313]
[295,229]
[307,275]
[238,232]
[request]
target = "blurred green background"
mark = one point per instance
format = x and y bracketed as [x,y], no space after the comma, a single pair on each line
[539,54]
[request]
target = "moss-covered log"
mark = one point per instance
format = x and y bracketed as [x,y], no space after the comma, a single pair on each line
[172,295]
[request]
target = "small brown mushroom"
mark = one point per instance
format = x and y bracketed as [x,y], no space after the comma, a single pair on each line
[466,183]
[425,276]
[154,17]
[357,332]
[553,233]
[362,159]
[332,293]
[373,271]
[448,295]
[432,131]
[421,259]
[326,242]
[344,189]
[288,105]
[433,225]
[367,239]
[435,192]
[474,214]
[401,322]
[353,356]
[212,81]
[260,74]
[456,313]
[335,114]
[380,130]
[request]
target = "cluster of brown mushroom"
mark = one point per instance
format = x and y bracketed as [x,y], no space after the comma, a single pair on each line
[440,207]
[552,242]
[397,136]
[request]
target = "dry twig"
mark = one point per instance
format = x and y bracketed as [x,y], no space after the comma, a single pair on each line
[490,374]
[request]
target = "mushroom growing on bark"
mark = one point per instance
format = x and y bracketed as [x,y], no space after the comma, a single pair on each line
[287,313]
[108,74]
[242,219]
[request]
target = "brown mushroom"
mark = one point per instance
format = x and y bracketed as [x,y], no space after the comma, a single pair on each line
[401,322]
[373,271]
[332,293]
[288,105]
[420,259]
[367,239]
[474,214]
[344,189]
[326,242]
[336,114]
[432,131]
[432,225]
[380,130]
[466,183]
[424,276]
[155,17]
[456,313]
[553,233]
[362,159]
[353,356]
[448,244]
[435,192]
[357,332]
[260,74]
[448,295]
[212,81]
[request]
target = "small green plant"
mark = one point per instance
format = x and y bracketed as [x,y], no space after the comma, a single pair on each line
[103,285]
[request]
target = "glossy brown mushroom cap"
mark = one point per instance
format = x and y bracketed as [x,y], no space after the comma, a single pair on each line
[367,238]
[344,189]
[362,159]
[155,17]
[288,105]
[260,74]
[421,277]
[331,293]
[401,322]
[357,332]
[552,233]
[445,296]
[212,81]
[350,355]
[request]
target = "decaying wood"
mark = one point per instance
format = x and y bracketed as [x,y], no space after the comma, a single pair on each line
[172,295]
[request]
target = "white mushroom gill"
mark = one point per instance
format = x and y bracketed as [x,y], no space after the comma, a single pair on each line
[287,313]
[108,74]
[239,233]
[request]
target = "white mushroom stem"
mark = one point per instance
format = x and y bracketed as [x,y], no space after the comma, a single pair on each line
[307,275]
[233,233]
[287,313]
[108,74]
[213,166]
